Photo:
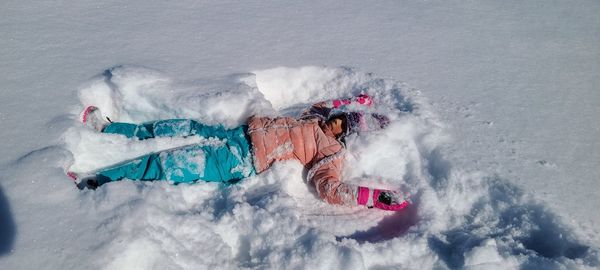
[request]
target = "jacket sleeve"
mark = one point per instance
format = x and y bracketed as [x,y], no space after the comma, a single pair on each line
[325,176]
[321,110]
[325,108]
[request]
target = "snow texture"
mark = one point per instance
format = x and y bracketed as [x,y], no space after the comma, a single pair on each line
[494,133]
[459,219]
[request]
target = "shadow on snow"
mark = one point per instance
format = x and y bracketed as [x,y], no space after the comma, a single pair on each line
[520,226]
[7,225]
[388,228]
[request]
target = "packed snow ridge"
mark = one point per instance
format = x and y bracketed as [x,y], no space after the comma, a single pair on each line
[460,219]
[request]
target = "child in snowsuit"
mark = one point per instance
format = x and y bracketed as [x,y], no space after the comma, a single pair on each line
[228,155]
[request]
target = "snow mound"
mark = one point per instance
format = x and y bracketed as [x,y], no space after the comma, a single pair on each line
[459,219]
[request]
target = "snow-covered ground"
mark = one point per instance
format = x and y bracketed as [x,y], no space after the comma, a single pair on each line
[494,107]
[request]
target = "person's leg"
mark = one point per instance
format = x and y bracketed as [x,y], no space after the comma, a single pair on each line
[230,160]
[179,165]
[129,130]
[145,168]
[218,160]
[161,128]
[225,157]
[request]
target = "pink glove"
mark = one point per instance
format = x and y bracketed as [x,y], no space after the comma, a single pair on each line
[382,199]
[362,99]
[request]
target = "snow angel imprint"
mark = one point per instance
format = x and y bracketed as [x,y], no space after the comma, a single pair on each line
[315,139]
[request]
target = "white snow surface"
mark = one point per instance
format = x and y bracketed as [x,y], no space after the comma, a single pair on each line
[493,104]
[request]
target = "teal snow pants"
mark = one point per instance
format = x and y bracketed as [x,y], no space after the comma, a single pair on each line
[223,156]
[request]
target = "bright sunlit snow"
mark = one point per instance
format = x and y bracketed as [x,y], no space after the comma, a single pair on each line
[493,106]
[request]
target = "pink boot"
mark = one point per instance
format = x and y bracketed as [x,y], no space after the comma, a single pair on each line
[88,181]
[92,117]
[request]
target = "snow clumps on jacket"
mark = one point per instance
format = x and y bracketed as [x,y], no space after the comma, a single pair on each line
[309,142]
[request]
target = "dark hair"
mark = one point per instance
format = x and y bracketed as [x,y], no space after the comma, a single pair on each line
[344,118]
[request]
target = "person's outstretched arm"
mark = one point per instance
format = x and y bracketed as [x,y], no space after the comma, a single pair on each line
[324,109]
[325,175]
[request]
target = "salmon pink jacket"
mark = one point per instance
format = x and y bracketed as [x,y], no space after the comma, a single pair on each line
[310,142]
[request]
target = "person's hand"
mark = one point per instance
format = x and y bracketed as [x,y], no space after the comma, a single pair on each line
[362,99]
[382,199]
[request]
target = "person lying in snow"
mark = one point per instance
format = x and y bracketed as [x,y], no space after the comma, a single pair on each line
[315,139]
